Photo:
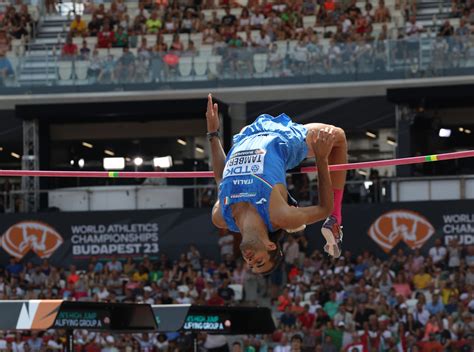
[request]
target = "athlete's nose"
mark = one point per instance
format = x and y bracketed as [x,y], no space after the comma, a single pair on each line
[248,254]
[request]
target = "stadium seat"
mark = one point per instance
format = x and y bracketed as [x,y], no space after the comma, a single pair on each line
[150,39]
[200,65]
[260,62]
[309,21]
[64,70]
[214,63]
[81,69]
[197,39]
[205,50]
[116,52]
[185,66]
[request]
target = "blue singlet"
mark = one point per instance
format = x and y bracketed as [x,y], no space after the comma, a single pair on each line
[258,160]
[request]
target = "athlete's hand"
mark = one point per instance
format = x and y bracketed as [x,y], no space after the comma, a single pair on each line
[322,142]
[212,115]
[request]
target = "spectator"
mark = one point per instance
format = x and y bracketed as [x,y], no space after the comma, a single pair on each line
[78,27]
[422,279]
[382,13]
[226,244]
[153,24]
[93,72]
[69,50]
[6,68]
[84,51]
[121,38]
[446,29]
[105,37]
[438,252]
[228,19]
[94,26]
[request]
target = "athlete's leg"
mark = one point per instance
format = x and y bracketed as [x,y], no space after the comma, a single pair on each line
[338,153]
[331,229]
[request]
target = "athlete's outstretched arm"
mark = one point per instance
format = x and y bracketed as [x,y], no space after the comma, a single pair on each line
[217,152]
[293,217]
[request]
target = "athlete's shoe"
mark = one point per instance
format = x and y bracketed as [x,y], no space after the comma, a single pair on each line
[332,232]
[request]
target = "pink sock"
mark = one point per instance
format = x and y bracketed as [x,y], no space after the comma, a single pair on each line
[338,193]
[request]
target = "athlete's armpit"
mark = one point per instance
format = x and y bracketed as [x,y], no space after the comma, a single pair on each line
[217,218]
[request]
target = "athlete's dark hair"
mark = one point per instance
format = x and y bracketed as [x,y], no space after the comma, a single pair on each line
[276,255]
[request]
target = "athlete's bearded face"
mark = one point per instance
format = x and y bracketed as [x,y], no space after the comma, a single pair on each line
[256,255]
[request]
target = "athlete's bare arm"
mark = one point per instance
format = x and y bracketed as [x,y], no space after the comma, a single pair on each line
[217,155]
[288,217]
[217,152]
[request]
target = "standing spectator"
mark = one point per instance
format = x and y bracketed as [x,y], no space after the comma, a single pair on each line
[226,243]
[454,252]
[438,252]
[291,250]
[413,29]
[6,69]
[93,72]
[78,27]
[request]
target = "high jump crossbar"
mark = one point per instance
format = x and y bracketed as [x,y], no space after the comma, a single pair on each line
[210,174]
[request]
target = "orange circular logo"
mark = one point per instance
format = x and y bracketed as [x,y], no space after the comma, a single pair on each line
[401,225]
[36,236]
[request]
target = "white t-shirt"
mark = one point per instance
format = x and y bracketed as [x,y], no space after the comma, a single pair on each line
[412,30]
[227,244]
[437,254]
[257,20]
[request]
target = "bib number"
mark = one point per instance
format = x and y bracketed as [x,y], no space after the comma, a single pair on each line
[246,162]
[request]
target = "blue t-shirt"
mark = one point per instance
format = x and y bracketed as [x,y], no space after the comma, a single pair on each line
[259,159]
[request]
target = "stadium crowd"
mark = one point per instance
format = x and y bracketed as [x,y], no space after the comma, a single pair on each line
[408,302]
[350,42]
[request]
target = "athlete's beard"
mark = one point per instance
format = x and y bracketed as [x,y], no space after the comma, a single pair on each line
[251,242]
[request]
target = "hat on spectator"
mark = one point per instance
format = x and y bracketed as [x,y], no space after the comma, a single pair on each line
[147,289]
[387,334]
[403,306]
[341,324]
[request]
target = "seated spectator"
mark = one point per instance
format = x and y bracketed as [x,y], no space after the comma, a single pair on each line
[78,27]
[208,34]
[422,280]
[275,59]
[106,37]
[190,50]
[176,44]
[94,26]
[171,24]
[187,24]
[107,69]
[244,20]
[382,13]
[69,49]
[153,24]
[6,71]
[121,38]
[228,19]
[84,51]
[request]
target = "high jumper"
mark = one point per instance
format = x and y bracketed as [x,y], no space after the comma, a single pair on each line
[253,197]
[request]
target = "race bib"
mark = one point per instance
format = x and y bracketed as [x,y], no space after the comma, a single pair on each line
[246,162]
